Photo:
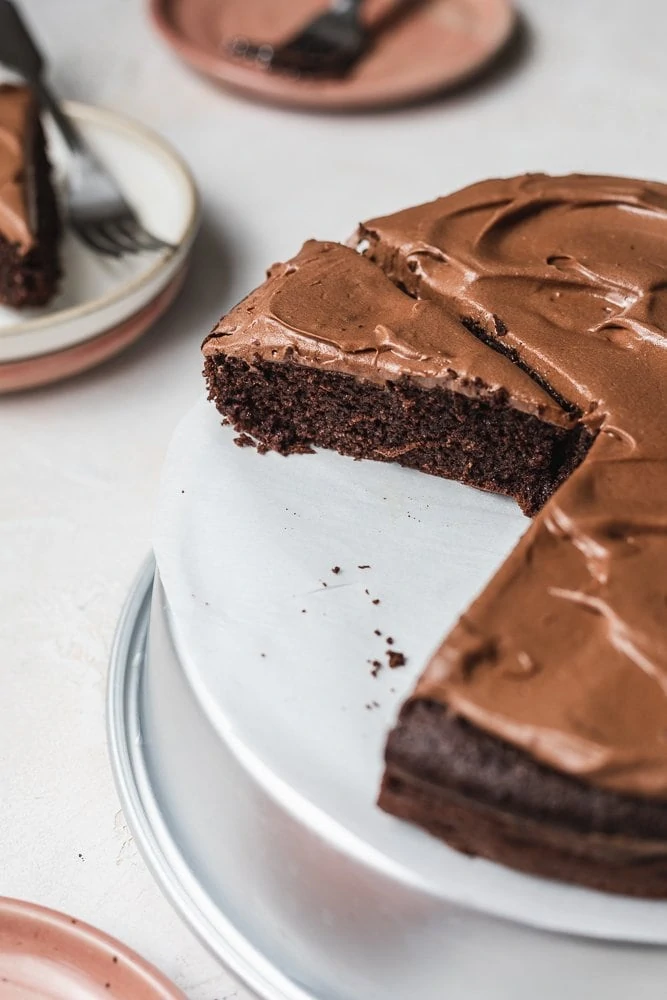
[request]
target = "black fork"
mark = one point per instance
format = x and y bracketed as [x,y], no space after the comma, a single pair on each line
[329,45]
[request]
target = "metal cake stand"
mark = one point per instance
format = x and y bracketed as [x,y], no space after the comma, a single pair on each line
[285,931]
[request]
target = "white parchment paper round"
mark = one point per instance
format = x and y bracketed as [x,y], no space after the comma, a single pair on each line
[278,646]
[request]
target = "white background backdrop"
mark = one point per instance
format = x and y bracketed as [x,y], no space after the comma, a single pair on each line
[79,462]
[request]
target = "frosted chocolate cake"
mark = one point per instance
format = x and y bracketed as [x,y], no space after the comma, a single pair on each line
[511,336]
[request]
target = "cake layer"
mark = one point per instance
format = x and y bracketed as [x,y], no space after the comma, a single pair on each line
[484,797]
[29,221]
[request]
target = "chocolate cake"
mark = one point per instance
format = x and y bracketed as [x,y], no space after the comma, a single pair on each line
[29,221]
[511,336]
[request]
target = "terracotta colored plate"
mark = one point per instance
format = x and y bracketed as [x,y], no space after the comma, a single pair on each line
[421,46]
[46,368]
[48,955]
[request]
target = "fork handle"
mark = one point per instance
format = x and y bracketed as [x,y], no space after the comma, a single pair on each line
[20,52]
[64,124]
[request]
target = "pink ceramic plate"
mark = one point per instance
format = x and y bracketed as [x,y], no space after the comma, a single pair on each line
[46,368]
[46,955]
[421,46]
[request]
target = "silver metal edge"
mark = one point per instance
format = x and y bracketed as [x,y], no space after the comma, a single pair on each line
[126,665]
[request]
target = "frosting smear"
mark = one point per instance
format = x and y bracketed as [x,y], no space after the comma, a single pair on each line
[17,123]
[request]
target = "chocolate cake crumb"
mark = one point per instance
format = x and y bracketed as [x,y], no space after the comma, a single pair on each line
[395,659]
[390,641]
[244,441]
[335,569]
[377,667]
[501,329]
[366,566]
[376,600]
[377,632]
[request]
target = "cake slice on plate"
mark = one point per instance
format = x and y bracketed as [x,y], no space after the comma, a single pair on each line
[29,220]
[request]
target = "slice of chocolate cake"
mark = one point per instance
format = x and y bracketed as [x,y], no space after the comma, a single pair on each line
[29,221]
[329,352]
[513,336]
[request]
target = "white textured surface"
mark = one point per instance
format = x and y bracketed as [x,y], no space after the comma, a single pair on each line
[80,462]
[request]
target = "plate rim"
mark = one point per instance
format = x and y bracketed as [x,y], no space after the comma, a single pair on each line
[128,125]
[207,64]
[73,928]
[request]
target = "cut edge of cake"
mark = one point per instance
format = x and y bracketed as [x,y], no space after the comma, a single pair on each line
[293,389]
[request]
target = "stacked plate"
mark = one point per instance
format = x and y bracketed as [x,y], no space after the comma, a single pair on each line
[55,957]
[105,303]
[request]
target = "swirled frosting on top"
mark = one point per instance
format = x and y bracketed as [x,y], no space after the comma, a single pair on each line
[17,123]
[565,652]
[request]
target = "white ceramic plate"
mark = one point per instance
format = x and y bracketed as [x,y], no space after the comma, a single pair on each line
[277,647]
[99,293]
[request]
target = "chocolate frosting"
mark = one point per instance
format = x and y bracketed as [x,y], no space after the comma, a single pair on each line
[565,652]
[330,307]
[17,123]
